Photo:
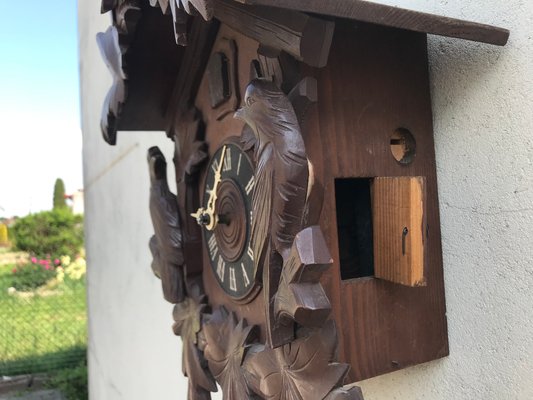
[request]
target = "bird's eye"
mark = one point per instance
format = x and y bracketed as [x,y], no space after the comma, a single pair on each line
[250,101]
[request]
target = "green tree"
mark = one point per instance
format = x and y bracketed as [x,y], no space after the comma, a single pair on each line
[3,235]
[55,233]
[59,194]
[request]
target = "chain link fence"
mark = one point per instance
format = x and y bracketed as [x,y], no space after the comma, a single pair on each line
[41,330]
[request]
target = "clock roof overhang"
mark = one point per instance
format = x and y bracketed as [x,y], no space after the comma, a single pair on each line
[140,47]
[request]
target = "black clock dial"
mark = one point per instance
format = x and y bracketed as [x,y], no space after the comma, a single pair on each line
[228,242]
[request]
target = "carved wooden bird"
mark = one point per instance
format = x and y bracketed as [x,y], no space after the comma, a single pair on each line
[282,171]
[167,247]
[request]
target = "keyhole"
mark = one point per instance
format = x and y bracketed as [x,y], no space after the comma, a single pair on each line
[404,234]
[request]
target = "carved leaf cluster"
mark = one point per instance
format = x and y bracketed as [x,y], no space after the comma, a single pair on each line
[228,341]
[188,317]
[303,369]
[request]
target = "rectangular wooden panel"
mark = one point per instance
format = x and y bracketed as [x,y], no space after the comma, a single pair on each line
[398,217]
[377,82]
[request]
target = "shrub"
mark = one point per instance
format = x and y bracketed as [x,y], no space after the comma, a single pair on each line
[32,275]
[49,233]
[72,382]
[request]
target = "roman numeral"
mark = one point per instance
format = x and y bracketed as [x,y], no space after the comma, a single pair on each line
[250,253]
[227,160]
[214,166]
[239,164]
[245,276]
[221,268]
[213,248]
[250,185]
[232,280]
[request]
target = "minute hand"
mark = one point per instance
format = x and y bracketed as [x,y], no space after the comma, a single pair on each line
[213,195]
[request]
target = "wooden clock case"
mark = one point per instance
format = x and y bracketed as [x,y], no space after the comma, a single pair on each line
[358,77]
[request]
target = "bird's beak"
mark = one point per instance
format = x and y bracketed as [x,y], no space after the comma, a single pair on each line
[240,114]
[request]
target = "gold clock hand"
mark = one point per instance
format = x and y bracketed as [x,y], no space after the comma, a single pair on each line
[207,216]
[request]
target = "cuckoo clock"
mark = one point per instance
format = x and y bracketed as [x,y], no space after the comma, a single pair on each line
[302,250]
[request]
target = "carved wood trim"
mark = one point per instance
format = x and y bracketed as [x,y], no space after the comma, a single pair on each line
[108,43]
[300,343]
[396,17]
[306,38]
[202,38]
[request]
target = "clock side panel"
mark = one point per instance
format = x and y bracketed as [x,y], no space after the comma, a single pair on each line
[376,81]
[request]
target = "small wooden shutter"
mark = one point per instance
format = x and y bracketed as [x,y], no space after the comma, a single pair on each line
[398,213]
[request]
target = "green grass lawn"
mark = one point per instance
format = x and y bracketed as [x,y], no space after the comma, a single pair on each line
[41,333]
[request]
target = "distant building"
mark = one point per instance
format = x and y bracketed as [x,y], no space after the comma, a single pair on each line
[76,201]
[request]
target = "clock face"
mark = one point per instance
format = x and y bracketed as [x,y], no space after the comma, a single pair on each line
[227,220]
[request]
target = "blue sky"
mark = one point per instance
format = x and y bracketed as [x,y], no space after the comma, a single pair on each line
[40,136]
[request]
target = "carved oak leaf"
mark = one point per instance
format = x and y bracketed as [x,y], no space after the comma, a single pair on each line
[300,295]
[301,370]
[112,55]
[227,344]
[188,324]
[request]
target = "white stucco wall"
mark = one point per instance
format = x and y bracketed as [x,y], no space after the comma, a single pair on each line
[133,353]
[483,111]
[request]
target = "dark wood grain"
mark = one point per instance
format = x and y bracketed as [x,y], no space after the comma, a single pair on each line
[151,62]
[229,49]
[191,70]
[380,14]
[305,37]
[362,101]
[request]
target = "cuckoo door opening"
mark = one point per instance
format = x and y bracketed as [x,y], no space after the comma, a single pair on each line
[354,227]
